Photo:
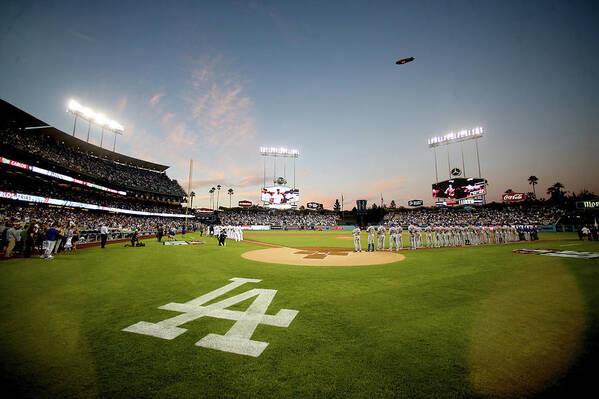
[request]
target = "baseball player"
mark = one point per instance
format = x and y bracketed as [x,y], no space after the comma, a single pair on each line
[429,236]
[381,233]
[356,233]
[393,237]
[370,230]
[412,234]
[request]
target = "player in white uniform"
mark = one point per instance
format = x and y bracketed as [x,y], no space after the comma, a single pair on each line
[370,230]
[356,233]
[381,235]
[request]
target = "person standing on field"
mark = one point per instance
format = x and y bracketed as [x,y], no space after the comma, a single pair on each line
[370,230]
[103,234]
[381,233]
[356,233]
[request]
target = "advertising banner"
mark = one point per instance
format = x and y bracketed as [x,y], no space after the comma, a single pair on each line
[245,203]
[73,204]
[259,227]
[313,205]
[513,197]
[336,227]
[594,204]
[415,202]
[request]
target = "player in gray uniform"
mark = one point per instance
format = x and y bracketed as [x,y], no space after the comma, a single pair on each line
[418,237]
[429,236]
[400,235]
[370,230]
[356,233]
[381,235]
[393,237]
[412,236]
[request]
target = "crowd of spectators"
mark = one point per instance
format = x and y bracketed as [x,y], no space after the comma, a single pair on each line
[278,218]
[45,189]
[106,170]
[477,216]
[90,221]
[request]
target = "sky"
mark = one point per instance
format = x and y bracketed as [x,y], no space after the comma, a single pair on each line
[212,81]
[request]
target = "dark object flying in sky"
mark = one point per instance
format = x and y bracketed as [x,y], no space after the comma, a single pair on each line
[404,61]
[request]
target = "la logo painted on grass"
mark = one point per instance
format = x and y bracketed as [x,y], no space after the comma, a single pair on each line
[238,338]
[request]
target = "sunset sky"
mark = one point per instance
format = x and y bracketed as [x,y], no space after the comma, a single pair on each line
[214,81]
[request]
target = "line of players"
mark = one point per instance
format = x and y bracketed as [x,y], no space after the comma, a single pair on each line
[442,236]
[223,232]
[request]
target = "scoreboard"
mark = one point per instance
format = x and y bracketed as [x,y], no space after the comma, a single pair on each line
[460,188]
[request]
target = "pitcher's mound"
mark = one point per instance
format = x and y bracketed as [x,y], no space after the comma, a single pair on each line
[322,256]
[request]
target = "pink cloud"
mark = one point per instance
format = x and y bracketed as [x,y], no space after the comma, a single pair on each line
[156,99]
[122,104]
[384,185]
[167,118]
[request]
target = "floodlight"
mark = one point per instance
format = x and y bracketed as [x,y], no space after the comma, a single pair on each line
[73,106]
[452,137]
[100,119]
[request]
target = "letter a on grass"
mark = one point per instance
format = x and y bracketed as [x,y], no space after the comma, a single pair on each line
[238,338]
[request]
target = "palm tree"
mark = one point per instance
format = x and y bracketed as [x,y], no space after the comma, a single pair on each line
[533,180]
[211,191]
[230,192]
[555,191]
[191,197]
[509,191]
[217,196]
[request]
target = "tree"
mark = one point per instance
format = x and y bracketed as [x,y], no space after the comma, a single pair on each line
[337,206]
[509,191]
[230,192]
[533,180]
[531,196]
[556,191]
[217,196]
[211,191]
[392,205]
[191,198]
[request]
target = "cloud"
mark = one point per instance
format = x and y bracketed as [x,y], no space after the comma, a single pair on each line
[384,185]
[220,109]
[122,104]
[156,99]
[82,36]
[166,118]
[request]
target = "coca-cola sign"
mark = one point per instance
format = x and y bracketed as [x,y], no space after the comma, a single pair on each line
[514,197]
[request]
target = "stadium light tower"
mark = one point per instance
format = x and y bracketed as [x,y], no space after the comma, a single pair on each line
[457,137]
[97,118]
[279,152]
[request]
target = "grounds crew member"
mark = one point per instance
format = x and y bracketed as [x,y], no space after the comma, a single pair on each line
[356,232]
[370,230]
[381,233]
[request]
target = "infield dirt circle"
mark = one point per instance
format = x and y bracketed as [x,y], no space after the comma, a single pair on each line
[322,256]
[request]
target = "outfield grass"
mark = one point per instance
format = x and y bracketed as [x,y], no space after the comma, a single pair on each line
[452,322]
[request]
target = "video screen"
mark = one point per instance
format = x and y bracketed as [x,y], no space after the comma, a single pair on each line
[459,188]
[280,195]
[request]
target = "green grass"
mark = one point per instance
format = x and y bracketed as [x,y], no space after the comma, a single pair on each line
[455,322]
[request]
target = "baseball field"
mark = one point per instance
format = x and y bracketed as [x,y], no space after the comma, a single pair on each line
[299,314]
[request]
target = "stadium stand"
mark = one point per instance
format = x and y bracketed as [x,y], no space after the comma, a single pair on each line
[41,167]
